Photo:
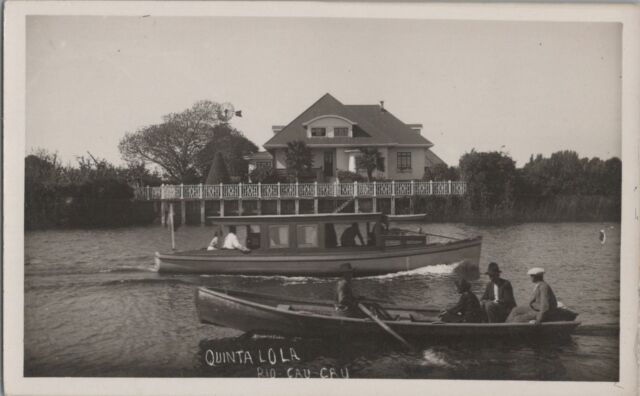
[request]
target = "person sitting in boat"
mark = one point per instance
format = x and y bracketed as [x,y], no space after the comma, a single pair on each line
[349,235]
[347,302]
[543,306]
[497,300]
[213,245]
[467,309]
[231,241]
[375,237]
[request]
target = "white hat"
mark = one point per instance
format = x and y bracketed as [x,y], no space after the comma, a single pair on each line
[536,271]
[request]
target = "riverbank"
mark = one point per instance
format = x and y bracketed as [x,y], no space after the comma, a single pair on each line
[105,213]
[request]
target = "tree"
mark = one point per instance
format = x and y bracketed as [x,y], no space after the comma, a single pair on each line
[175,143]
[233,146]
[299,159]
[370,160]
[490,178]
[441,172]
[265,175]
[218,172]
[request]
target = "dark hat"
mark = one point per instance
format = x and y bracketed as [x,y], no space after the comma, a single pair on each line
[493,269]
[346,268]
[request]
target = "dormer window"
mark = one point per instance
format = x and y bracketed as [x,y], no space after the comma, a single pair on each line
[318,132]
[341,132]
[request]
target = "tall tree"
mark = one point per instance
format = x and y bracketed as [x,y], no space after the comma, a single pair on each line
[299,159]
[371,160]
[233,146]
[175,143]
[218,172]
[490,178]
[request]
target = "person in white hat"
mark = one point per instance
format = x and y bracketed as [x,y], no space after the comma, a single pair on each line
[543,304]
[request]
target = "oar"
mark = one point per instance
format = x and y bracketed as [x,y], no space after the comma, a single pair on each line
[384,326]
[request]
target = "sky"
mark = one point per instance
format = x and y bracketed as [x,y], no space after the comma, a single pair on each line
[519,87]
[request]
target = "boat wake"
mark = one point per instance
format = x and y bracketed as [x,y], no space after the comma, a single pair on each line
[286,280]
[125,269]
[437,269]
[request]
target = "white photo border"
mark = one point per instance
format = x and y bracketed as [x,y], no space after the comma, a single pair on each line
[14,148]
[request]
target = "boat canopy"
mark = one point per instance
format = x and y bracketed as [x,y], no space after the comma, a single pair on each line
[336,218]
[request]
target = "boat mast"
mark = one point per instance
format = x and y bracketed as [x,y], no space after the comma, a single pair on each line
[173,237]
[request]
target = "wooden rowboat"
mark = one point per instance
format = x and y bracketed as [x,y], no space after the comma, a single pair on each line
[408,217]
[273,315]
[309,245]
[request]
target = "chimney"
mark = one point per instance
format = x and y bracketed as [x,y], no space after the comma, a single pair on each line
[382,105]
[415,127]
[277,128]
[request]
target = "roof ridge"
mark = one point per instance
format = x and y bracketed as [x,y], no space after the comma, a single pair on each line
[304,111]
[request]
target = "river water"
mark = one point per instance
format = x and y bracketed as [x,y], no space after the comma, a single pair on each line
[94,307]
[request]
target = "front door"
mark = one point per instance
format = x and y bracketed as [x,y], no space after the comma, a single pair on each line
[329,163]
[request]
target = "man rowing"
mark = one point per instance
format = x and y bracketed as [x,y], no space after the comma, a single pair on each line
[347,302]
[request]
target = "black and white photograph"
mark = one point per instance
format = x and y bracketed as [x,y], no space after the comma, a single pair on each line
[342,192]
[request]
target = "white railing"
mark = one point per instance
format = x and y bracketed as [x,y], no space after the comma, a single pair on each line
[260,191]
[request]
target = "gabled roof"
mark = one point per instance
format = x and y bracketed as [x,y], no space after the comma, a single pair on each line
[374,127]
[432,159]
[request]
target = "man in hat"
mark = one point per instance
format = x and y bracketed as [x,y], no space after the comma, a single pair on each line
[498,299]
[543,305]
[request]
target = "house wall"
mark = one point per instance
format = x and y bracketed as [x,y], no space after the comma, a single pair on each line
[280,159]
[417,163]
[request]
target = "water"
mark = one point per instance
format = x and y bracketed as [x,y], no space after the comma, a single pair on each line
[94,307]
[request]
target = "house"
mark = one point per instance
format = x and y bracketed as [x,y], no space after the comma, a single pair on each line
[335,132]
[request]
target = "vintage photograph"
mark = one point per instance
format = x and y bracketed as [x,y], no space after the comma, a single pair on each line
[322,198]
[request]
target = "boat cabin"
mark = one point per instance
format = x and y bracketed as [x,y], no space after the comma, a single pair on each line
[314,231]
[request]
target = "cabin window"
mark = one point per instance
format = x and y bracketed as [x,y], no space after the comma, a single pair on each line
[279,236]
[253,237]
[318,132]
[307,236]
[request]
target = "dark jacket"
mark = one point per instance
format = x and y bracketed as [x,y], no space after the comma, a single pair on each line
[468,307]
[505,293]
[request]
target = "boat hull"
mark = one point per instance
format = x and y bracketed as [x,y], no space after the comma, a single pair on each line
[365,261]
[218,308]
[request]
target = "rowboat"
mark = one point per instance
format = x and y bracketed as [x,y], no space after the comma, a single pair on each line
[275,315]
[407,217]
[308,245]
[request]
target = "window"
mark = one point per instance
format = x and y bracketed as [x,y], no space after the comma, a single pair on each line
[307,236]
[278,236]
[318,132]
[263,164]
[404,161]
[341,132]
[253,237]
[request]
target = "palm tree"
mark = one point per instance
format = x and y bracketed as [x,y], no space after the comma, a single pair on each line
[371,160]
[299,158]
